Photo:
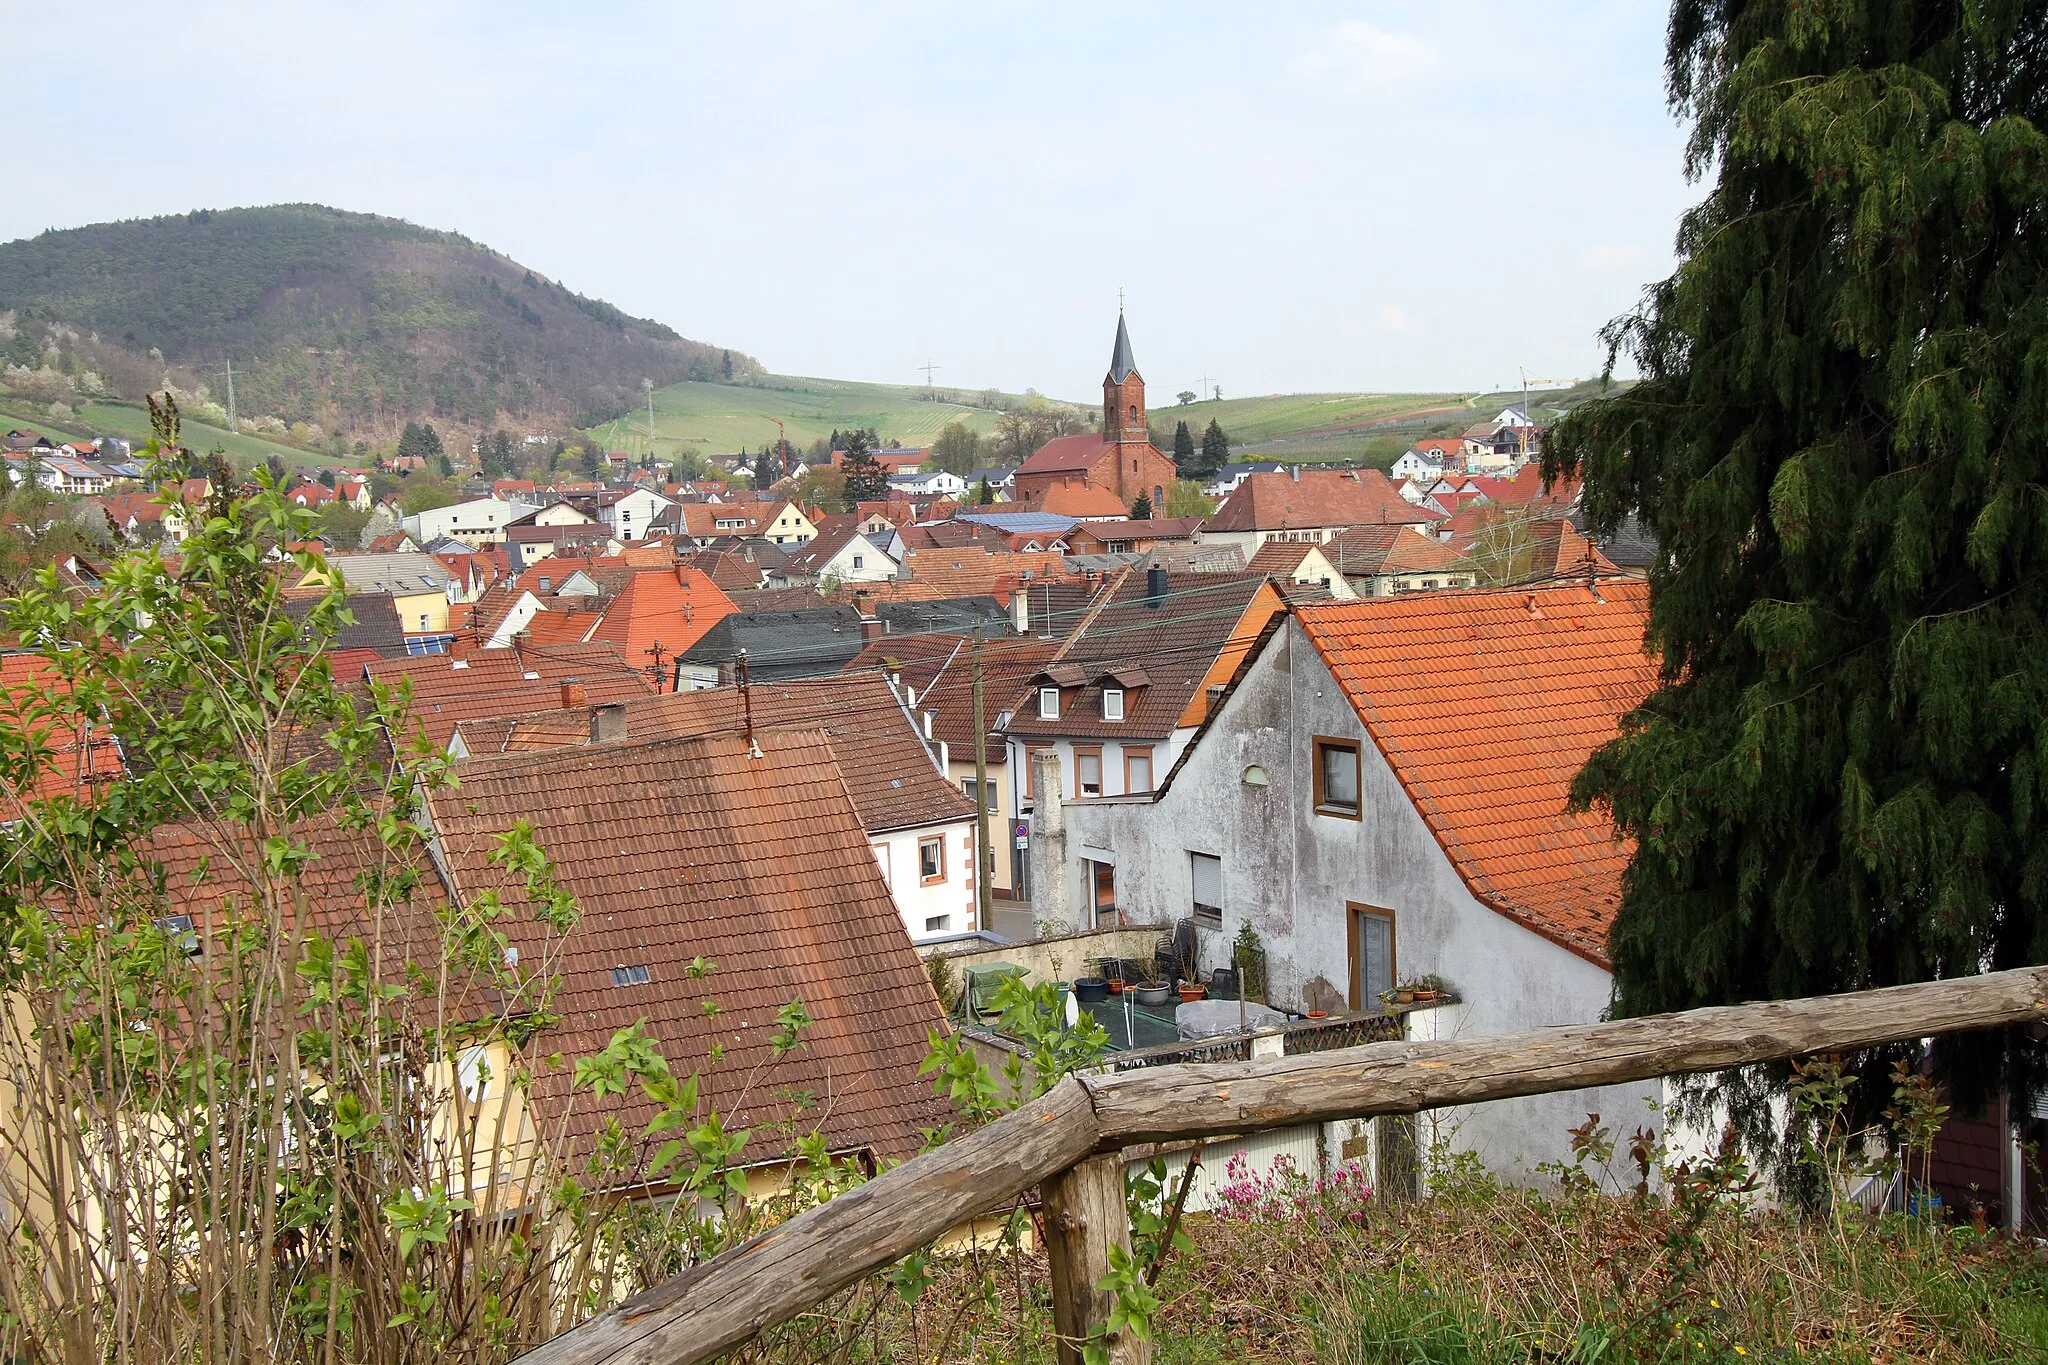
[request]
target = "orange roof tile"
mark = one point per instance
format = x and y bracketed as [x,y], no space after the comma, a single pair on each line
[1486,705]
[71,761]
[667,612]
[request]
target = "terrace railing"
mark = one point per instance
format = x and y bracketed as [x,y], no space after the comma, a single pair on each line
[1069,1141]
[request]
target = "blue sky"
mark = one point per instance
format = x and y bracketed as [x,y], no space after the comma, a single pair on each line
[1293,196]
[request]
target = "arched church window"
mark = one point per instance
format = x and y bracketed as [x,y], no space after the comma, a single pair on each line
[1134,414]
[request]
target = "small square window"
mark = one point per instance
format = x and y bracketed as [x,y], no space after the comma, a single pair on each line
[938,924]
[1048,703]
[931,859]
[1112,703]
[1336,778]
[630,976]
[1088,772]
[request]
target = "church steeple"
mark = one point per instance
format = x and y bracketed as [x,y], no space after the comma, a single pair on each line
[1120,362]
[1123,392]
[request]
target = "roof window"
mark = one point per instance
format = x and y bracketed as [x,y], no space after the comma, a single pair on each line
[1048,703]
[1112,703]
[631,976]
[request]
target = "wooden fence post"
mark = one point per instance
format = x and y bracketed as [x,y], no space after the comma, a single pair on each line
[1084,1218]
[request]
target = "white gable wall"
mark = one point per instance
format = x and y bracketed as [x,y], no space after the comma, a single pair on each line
[1292,872]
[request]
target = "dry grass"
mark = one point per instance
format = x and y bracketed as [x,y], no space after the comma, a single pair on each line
[1513,1276]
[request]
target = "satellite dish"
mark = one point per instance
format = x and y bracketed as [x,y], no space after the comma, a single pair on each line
[1073,1010]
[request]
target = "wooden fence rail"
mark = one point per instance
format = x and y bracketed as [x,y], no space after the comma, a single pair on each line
[716,1306]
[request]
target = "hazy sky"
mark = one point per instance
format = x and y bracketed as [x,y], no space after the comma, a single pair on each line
[1294,196]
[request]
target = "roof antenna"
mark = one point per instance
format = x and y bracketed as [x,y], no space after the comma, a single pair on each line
[747,706]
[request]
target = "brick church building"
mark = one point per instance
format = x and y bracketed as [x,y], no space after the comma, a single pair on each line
[1119,464]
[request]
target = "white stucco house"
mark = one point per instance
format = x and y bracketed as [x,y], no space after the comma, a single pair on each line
[479,523]
[631,513]
[1381,793]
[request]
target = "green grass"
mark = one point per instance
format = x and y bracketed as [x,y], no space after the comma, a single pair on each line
[714,419]
[1250,421]
[131,422]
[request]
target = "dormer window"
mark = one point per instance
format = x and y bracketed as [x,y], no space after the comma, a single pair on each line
[1048,703]
[1112,703]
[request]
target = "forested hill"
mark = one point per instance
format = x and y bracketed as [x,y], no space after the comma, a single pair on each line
[346,321]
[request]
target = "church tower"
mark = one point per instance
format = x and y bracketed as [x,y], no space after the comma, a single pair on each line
[1123,394]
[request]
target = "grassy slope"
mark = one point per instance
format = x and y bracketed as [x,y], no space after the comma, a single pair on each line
[716,419]
[132,423]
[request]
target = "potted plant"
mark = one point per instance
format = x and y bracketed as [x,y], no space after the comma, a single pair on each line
[1430,987]
[1090,990]
[1191,991]
[1153,991]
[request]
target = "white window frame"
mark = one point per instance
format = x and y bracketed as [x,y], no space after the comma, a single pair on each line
[1112,703]
[1048,703]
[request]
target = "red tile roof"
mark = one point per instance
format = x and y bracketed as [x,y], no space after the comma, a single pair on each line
[940,667]
[1066,453]
[893,778]
[506,682]
[703,847]
[1318,498]
[72,761]
[1486,705]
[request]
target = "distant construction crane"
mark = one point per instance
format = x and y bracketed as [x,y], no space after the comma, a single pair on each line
[1529,422]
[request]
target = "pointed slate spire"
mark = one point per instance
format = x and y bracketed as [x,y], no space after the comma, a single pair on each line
[1120,362]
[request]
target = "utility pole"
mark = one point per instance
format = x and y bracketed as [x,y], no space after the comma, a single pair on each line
[231,395]
[928,367]
[984,857]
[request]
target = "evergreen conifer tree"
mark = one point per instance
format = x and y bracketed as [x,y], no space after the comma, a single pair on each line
[866,480]
[984,495]
[1215,449]
[495,454]
[1141,510]
[764,470]
[1183,450]
[1840,440]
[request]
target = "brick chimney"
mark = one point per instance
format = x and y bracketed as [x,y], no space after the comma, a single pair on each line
[572,693]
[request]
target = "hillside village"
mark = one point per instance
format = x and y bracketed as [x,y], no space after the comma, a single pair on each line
[1300,765]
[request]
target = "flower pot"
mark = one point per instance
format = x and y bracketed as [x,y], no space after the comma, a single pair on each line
[1193,991]
[1404,997]
[1318,1014]
[1153,995]
[1090,990]
[1421,996]
[1116,985]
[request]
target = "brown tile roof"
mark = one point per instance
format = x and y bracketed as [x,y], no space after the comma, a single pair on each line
[941,669]
[1486,705]
[1561,551]
[1366,550]
[777,599]
[1277,558]
[506,682]
[731,570]
[896,783]
[1318,498]
[701,847]
[1195,635]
